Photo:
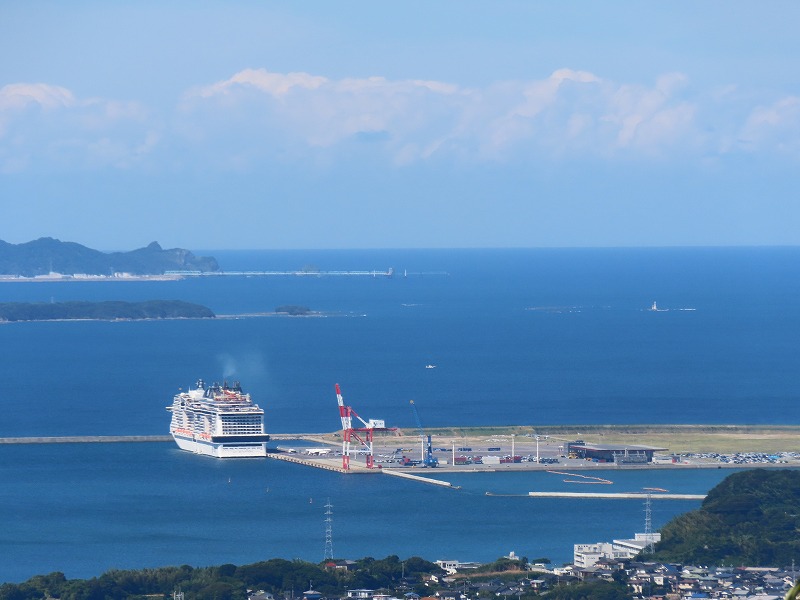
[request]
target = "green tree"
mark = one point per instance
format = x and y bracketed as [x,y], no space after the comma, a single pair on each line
[594,590]
[750,518]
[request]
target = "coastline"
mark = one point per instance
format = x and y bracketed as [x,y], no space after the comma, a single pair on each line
[66,278]
[677,446]
[690,444]
[684,446]
[214,318]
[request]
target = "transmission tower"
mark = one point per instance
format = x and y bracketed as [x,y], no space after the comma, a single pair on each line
[648,525]
[328,530]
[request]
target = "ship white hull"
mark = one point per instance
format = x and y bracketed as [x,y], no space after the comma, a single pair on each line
[221,449]
[218,420]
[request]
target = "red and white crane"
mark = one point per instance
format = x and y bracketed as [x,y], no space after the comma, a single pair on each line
[362,435]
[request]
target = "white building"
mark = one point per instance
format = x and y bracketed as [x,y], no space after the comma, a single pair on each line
[640,541]
[587,555]
[361,594]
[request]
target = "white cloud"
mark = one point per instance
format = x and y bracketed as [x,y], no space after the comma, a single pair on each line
[319,112]
[22,95]
[656,119]
[570,75]
[257,115]
[775,126]
[17,97]
[42,124]
[275,84]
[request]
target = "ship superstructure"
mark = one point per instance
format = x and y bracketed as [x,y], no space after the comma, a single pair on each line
[218,420]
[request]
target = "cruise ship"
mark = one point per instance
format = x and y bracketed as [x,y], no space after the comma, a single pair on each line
[218,420]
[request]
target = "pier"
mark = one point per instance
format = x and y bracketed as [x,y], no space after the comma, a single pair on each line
[420,479]
[318,463]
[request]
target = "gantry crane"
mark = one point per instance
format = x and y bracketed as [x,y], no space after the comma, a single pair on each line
[428,459]
[349,432]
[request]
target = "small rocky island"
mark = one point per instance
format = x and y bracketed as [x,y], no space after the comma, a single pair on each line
[102,311]
[293,310]
[47,256]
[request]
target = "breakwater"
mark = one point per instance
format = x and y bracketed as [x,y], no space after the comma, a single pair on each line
[78,439]
[81,439]
[390,272]
[617,496]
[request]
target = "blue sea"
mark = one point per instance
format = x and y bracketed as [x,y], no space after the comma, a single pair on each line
[528,337]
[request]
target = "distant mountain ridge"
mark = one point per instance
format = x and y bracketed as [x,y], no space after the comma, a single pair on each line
[49,255]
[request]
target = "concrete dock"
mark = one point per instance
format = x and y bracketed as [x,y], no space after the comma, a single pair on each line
[328,464]
[418,478]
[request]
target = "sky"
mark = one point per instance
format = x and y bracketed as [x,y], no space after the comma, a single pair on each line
[416,124]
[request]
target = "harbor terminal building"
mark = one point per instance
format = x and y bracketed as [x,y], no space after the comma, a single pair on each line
[610,453]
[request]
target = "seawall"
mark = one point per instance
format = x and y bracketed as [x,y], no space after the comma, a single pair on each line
[617,496]
[81,439]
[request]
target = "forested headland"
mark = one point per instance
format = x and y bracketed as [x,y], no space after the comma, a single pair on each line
[750,518]
[47,255]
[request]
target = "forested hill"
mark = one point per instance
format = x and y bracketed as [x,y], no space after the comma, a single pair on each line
[750,518]
[231,582]
[107,311]
[48,255]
